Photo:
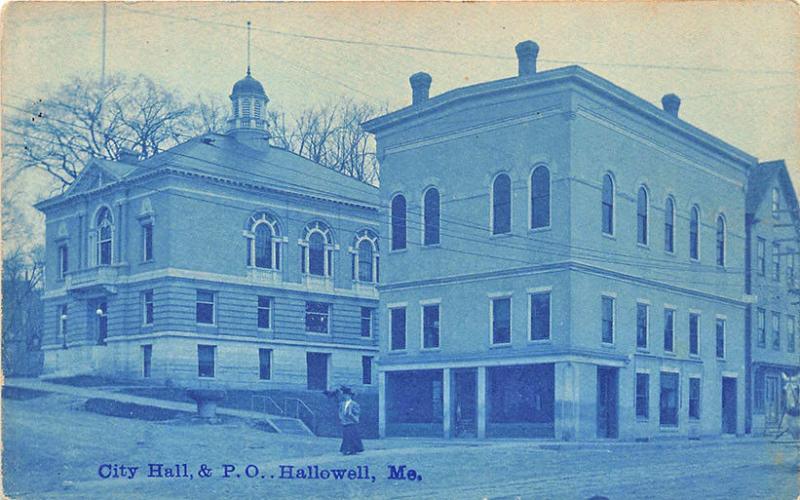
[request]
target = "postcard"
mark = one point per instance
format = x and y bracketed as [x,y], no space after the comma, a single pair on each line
[484,250]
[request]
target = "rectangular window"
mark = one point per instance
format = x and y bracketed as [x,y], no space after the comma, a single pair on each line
[63,261]
[430,326]
[264,312]
[720,340]
[147,242]
[776,331]
[147,307]
[366,322]
[790,270]
[147,360]
[669,330]
[668,402]
[501,320]
[642,395]
[694,334]
[205,360]
[264,364]
[761,335]
[694,398]
[366,370]
[642,320]
[761,256]
[790,332]
[398,333]
[776,261]
[317,317]
[204,309]
[608,320]
[540,316]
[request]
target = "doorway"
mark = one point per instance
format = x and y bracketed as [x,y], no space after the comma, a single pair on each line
[772,399]
[465,403]
[728,405]
[317,371]
[607,400]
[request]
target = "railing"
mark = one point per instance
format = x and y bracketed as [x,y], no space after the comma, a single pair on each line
[260,275]
[295,407]
[268,403]
[98,275]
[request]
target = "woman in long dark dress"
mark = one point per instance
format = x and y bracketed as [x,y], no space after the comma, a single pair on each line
[349,415]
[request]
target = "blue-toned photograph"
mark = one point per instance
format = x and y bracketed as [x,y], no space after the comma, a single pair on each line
[387,250]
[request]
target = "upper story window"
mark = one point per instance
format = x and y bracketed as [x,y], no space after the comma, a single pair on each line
[105,236]
[430,326]
[720,240]
[694,233]
[147,307]
[669,225]
[607,324]
[540,197]
[776,331]
[204,307]
[669,330]
[694,334]
[720,338]
[430,214]
[642,212]
[501,320]
[263,241]
[63,261]
[761,256]
[317,250]
[761,328]
[776,261]
[366,322]
[608,204]
[776,202]
[791,326]
[398,222]
[540,316]
[790,261]
[501,204]
[642,325]
[147,242]
[318,317]
[397,329]
[365,256]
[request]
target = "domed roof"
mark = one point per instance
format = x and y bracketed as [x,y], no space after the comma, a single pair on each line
[248,85]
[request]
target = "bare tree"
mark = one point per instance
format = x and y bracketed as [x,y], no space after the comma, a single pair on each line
[22,312]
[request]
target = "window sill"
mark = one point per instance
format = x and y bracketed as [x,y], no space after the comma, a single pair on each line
[669,428]
[670,254]
[670,354]
[720,360]
[540,341]
[642,420]
[539,229]
[431,246]
[396,352]
[318,333]
[694,356]
[501,235]
[608,345]
[500,346]
[644,246]
[399,250]
[430,349]
[642,350]
[148,261]
[610,236]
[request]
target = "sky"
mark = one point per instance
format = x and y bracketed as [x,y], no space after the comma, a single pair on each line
[735,65]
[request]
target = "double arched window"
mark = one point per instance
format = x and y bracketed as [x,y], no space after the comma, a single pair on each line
[365,256]
[669,225]
[430,216]
[642,212]
[263,241]
[694,233]
[501,204]
[721,240]
[105,236]
[398,222]
[608,204]
[540,197]
[317,250]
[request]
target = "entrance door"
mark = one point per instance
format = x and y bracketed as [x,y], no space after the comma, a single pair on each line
[465,403]
[772,399]
[728,405]
[317,371]
[607,402]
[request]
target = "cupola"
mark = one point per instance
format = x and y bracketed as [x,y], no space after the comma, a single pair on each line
[247,123]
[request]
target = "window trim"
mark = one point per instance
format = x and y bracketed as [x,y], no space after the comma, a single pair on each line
[674,311]
[390,308]
[422,305]
[776,315]
[328,248]
[148,226]
[613,204]
[492,298]
[270,353]
[761,313]
[724,321]
[63,261]
[549,198]
[699,315]
[361,322]
[213,361]
[540,291]
[112,238]
[147,373]
[424,217]
[371,370]
[392,239]
[647,305]
[270,308]
[724,243]
[328,323]
[613,298]
[213,307]
[669,200]
[646,242]
[678,389]
[144,307]
[699,399]
[646,416]
[695,209]
[369,236]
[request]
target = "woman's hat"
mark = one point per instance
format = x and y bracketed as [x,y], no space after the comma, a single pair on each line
[346,390]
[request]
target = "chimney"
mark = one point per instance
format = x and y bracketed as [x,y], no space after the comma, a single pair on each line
[671,104]
[420,87]
[127,155]
[527,52]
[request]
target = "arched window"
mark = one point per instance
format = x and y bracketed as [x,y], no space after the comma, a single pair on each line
[431,217]
[642,209]
[694,233]
[365,256]
[263,245]
[398,222]
[540,197]
[501,204]
[608,204]
[317,250]
[776,202]
[105,236]
[720,240]
[669,226]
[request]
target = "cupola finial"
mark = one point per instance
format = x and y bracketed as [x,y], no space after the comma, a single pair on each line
[248,48]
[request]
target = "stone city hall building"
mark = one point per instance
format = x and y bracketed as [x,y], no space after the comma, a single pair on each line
[558,258]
